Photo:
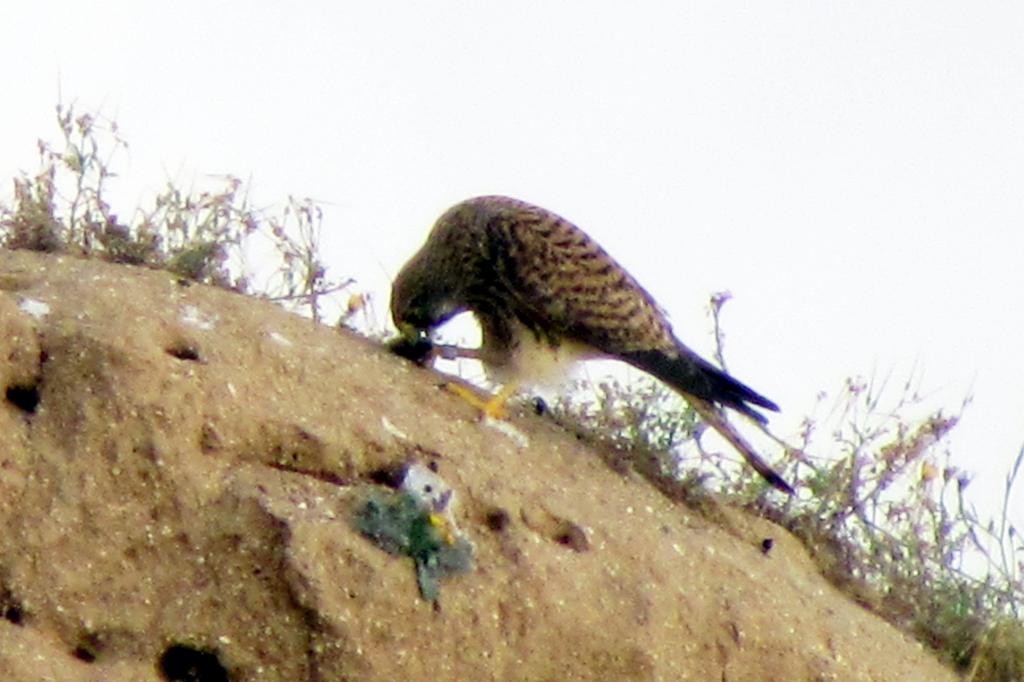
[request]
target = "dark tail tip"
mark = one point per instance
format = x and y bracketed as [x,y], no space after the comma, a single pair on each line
[778,482]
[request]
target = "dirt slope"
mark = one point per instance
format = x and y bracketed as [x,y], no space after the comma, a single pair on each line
[178,470]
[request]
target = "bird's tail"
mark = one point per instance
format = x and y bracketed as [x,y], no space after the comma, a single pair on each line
[714,417]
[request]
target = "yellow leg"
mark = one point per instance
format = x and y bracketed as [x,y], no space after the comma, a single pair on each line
[491,406]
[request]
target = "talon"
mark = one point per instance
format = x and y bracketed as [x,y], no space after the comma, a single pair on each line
[490,406]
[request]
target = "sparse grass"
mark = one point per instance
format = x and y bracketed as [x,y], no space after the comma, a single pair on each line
[208,236]
[884,512]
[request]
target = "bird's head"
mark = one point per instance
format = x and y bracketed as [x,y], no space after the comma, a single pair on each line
[434,285]
[420,299]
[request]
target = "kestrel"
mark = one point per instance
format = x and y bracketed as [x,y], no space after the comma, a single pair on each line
[545,293]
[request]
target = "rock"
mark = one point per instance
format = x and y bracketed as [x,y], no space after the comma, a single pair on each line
[178,471]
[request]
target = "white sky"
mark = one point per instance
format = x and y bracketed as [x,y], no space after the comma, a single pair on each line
[851,171]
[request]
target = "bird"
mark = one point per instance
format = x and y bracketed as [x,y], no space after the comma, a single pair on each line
[547,295]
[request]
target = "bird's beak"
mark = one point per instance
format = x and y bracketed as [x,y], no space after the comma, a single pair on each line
[412,333]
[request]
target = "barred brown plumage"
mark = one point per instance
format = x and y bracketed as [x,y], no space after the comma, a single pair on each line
[543,291]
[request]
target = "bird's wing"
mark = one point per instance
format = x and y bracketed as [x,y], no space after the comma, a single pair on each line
[562,284]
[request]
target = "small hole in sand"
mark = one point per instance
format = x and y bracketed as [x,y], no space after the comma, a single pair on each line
[180,662]
[573,537]
[497,520]
[390,476]
[25,398]
[184,351]
[11,608]
[88,648]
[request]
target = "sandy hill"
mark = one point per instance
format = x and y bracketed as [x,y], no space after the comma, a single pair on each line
[179,468]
